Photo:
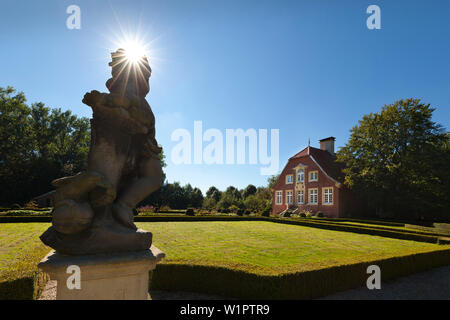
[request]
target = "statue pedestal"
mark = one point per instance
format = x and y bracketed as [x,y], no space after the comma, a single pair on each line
[121,276]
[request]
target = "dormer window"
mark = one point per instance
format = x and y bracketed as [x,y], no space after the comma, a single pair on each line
[289,179]
[300,175]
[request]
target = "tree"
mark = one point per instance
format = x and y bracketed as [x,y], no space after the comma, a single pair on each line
[398,160]
[213,193]
[233,192]
[16,146]
[272,180]
[194,196]
[252,203]
[209,203]
[37,145]
[227,200]
[249,190]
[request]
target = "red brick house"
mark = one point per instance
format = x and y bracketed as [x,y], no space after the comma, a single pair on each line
[310,181]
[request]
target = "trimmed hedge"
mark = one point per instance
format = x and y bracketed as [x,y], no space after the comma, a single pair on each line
[28,213]
[16,219]
[362,230]
[26,288]
[379,227]
[22,280]
[302,285]
[367,221]
[26,209]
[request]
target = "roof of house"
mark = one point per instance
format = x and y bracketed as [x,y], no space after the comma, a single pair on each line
[324,160]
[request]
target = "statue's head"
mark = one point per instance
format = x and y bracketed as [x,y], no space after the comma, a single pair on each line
[129,76]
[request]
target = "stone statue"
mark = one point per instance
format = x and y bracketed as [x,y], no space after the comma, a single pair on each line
[93,210]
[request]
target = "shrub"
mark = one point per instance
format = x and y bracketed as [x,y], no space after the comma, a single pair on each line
[240,212]
[287,214]
[266,212]
[146,209]
[23,213]
[15,219]
[309,214]
[303,215]
[233,208]
[319,214]
[247,212]
[203,212]
[16,206]
[31,205]
[22,280]
[190,212]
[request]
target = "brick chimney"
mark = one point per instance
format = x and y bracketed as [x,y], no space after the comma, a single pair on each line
[327,144]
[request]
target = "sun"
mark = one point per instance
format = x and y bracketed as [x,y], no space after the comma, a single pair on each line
[134,51]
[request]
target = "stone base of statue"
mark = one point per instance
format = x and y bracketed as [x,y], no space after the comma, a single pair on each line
[120,276]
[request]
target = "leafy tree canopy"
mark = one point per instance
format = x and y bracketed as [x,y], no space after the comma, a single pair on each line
[37,145]
[398,160]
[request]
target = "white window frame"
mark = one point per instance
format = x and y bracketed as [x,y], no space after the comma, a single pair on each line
[287,179]
[312,197]
[316,174]
[279,197]
[302,197]
[328,195]
[302,175]
[289,195]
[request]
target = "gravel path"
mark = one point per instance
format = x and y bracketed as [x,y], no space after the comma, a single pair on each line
[432,284]
[429,285]
[49,293]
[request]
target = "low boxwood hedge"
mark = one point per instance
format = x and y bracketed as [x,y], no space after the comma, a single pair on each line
[22,280]
[27,287]
[361,230]
[302,285]
[16,219]
[379,227]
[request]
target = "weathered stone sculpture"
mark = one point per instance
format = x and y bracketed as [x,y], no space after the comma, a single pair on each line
[93,210]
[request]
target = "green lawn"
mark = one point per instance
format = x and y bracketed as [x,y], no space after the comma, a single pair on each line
[272,248]
[20,248]
[258,247]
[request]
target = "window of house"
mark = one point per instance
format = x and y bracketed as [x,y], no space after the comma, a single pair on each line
[314,176]
[279,197]
[289,197]
[327,195]
[300,197]
[289,179]
[300,175]
[313,196]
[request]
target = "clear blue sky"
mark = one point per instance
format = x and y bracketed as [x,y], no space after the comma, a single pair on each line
[309,68]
